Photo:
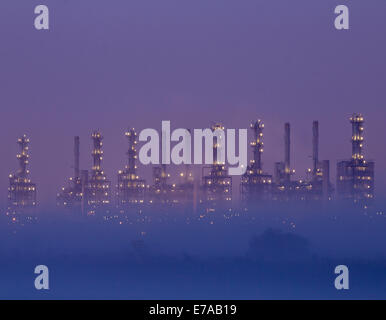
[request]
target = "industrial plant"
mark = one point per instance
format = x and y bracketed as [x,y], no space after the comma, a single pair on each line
[90,192]
[216,195]
[72,195]
[21,191]
[355,177]
[319,184]
[130,188]
[256,186]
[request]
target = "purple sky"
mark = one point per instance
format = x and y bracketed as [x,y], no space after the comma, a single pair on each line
[112,64]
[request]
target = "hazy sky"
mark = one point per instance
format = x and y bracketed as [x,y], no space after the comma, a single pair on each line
[112,64]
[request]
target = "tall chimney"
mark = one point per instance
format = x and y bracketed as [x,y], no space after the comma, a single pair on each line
[315,145]
[76,157]
[287,149]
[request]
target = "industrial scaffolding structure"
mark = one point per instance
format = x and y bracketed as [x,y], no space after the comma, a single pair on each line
[91,191]
[186,190]
[355,177]
[98,191]
[216,186]
[161,194]
[130,188]
[256,185]
[21,191]
[179,196]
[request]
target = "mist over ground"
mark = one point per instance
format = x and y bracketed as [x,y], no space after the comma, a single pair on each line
[271,252]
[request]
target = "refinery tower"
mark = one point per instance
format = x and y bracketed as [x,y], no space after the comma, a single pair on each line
[87,193]
[130,188]
[98,191]
[216,183]
[355,177]
[256,185]
[21,191]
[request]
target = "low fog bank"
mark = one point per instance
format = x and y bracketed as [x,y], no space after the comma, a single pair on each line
[335,232]
[284,254]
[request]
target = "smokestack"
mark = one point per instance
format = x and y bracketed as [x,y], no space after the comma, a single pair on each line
[287,149]
[315,145]
[76,157]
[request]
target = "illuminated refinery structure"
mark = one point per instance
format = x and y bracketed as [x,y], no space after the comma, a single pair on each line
[87,194]
[216,183]
[21,191]
[130,189]
[186,190]
[256,185]
[318,186]
[90,192]
[71,196]
[98,193]
[179,196]
[283,172]
[284,188]
[355,177]
[161,193]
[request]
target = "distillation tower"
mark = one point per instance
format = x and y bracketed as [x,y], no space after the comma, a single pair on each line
[131,189]
[98,193]
[21,191]
[256,185]
[216,183]
[355,177]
